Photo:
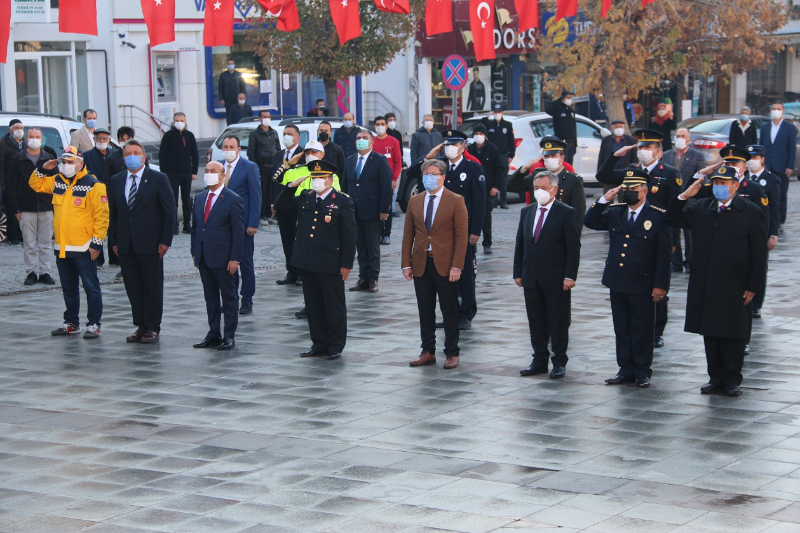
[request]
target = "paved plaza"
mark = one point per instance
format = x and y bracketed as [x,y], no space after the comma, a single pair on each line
[107,437]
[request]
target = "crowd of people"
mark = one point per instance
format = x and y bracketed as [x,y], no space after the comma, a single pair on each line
[334,199]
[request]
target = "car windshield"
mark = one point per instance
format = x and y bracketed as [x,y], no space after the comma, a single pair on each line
[468,126]
[711,126]
[243,134]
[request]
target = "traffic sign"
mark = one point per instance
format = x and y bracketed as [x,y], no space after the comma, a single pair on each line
[454,72]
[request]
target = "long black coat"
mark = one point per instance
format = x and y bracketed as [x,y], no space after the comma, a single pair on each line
[729,257]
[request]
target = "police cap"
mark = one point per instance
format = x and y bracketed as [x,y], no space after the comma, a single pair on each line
[755,149]
[734,154]
[454,137]
[726,173]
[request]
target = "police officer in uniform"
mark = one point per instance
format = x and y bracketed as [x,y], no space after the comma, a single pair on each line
[324,250]
[564,125]
[665,184]
[637,271]
[501,134]
[494,171]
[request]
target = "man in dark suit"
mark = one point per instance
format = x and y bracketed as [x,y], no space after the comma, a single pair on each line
[637,271]
[546,260]
[142,211]
[286,212]
[324,251]
[564,125]
[779,139]
[368,180]
[243,178]
[743,131]
[230,86]
[728,269]
[501,134]
[611,143]
[218,231]
[179,159]
[434,247]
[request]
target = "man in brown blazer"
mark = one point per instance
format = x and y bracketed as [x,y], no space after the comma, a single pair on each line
[435,239]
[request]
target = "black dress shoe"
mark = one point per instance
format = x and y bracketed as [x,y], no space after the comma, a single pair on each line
[47,279]
[31,279]
[464,323]
[756,313]
[659,342]
[533,370]
[687,268]
[187,231]
[619,379]
[208,342]
[708,388]
[747,349]
[733,390]
[176,232]
[440,325]
[288,280]
[643,383]
[334,355]
[246,308]
[227,344]
[311,353]
[676,268]
[487,250]
[301,313]
[299,281]
[385,241]
[503,206]
[558,372]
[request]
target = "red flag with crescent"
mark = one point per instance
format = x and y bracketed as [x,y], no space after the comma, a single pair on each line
[481,22]
[394,6]
[346,19]
[284,10]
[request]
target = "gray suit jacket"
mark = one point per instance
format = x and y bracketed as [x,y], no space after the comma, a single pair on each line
[82,140]
[690,164]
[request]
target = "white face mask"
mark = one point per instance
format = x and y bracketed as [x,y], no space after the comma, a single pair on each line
[480,139]
[491,116]
[392,124]
[619,132]
[17,134]
[776,114]
[318,184]
[498,117]
[552,163]
[380,130]
[568,101]
[661,112]
[266,122]
[348,123]
[541,196]
[180,125]
[34,143]
[428,125]
[241,102]
[211,179]
[67,169]
[753,165]
[645,156]
[311,157]
[680,143]
[451,151]
[229,155]
[288,141]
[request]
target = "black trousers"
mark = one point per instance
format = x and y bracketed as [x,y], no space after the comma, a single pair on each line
[13,231]
[144,283]
[368,245]
[217,283]
[327,311]
[758,299]
[784,193]
[549,316]
[569,152]
[386,227]
[661,315]
[487,223]
[182,188]
[634,319]
[681,257]
[725,358]
[287,225]
[468,307]
[427,287]
[266,191]
[503,182]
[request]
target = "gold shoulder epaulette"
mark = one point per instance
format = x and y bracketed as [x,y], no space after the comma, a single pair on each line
[659,209]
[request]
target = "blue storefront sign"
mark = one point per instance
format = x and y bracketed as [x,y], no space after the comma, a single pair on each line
[564,30]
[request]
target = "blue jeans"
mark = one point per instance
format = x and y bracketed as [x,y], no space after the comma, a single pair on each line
[72,270]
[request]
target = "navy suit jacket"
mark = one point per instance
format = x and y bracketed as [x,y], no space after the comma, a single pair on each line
[220,238]
[372,193]
[246,182]
[780,155]
[149,222]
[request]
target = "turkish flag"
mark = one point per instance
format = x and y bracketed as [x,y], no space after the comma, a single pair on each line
[481,22]
[159,15]
[528,12]
[605,8]
[438,16]
[5,29]
[645,2]
[218,25]
[77,16]
[394,6]
[346,19]
[285,11]
[566,8]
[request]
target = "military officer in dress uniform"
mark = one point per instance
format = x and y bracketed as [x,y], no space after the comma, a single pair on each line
[665,184]
[637,271]
[324,250]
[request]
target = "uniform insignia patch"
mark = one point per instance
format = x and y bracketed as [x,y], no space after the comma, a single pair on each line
[104,199]
[463,176]
[679,181]
[648,224]
[654,189]
[482,178]
[505,130]
[630,173]
[327,218]
[77,201]
[763,182]
[764,202]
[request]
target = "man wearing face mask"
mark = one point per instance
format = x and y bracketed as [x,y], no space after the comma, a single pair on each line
[501,134]
[564,125]
[179,159]
[83,138]
[368,180]
[243,178]
[290,157]
[218,230]
[743,131]
[13,144]
[387,146]
[492,163]
[779,139]
[240,111]
[96,161]
[80,223]
[610,144]
[424,140]
[319,110]
[333,152]
[546,259]
[345,136]
[298,179]
[231,85]
[664,123]
[261,150]
[391,122]
[324,252]
[142,211]
[637,271]
[116,162]
[728,268]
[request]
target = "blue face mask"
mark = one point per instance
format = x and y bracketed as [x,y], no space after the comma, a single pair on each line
[430,182]
[721,192]
[91,123]
[744,118]
[133,162]
[362,144]
[231,67]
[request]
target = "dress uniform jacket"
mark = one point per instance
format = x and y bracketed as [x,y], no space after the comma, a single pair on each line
[469,181]
[326,237]
[772,187]
[639,257]
[570,188]
[730,258]
[665,180]
[564,125]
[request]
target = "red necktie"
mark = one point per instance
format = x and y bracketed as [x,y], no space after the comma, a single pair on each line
[208,207]
[539,223]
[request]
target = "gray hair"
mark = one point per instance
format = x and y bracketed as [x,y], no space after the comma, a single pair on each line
[33,128]
[549,175]
[746,108]
[439,164]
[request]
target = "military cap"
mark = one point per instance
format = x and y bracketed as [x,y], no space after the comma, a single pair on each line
[552,145]
[479,128]
[70,152]
[322,169]
[755,149]
[734,153]
[454,137]
[633,177]
[725,172]
[645,136]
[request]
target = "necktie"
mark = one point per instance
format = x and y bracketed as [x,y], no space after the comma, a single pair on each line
[539,223]
[359,167]
[631,220]
[319,203]
[208,207]
[452,170]
[132,192]
[227,174]
[722,208]
[286,157]
[429,214]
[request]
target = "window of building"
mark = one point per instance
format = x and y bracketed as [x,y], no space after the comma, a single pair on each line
[768,84]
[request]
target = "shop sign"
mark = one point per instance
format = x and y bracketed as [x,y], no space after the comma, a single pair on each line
[30,11]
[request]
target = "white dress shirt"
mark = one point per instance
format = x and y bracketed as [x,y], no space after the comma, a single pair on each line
[325,194]
[129,180]
[213,195]
[773,132]
[652,166]
[363,159]
[229,168]
[288,153]
[539,214]
[454,164]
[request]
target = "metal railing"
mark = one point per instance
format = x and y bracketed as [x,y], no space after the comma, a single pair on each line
[148,126]
[376,103]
